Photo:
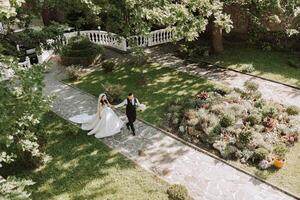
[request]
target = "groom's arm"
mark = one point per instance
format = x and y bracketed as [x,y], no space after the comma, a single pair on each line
[121,104]
[137,102]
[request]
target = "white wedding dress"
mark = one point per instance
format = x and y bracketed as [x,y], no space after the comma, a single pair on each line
[106,125]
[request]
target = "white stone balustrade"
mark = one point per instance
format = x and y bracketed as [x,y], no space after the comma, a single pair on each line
[161,36]
[106,39]
[26,63]
[115,41]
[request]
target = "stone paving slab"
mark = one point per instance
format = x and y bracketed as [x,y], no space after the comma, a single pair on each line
[205,177]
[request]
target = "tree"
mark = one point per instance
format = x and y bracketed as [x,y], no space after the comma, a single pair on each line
[279,19]
[188,18]
[22,105]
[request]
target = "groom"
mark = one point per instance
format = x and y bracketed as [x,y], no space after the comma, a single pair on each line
[131,104]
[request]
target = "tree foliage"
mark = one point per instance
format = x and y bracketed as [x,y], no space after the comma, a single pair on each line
[13,188]
[285,13]
[21,106]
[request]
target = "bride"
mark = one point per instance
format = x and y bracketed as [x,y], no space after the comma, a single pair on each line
[104,123]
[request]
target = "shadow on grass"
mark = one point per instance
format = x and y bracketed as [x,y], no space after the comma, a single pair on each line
[83,167]
[268,64]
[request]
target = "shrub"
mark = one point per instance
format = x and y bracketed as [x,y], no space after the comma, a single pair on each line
[244,138]
[183,51]
[293,110]
[217,109]
[207,121]
[280,150]
[80,46]
[269,111]
[223,89]
[251,86]
[260,154]
[245,155]
[113,92]
[14,188]
[108,65]
[74,72]
[178,192]
[227,120]
[229,152]
[193,103]
[79,50]
[246,68]
[259,103]
[139,58]
[254,119]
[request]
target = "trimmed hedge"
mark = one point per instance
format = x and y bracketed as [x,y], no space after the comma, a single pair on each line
[178,192]
[79,51]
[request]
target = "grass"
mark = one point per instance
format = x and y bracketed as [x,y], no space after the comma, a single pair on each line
[267,64]
[84,168]
[164,84]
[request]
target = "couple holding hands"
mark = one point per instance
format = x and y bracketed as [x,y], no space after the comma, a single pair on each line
[105,122]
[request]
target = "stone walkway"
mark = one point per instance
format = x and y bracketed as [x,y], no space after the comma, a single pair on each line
[205,177]
[270,90]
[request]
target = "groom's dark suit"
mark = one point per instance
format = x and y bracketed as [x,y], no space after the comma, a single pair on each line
[131,113]
[131,106]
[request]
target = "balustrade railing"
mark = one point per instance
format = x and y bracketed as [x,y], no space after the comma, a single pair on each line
[161,36]
[26,63]
[113,40]
[137,40]
[106,39]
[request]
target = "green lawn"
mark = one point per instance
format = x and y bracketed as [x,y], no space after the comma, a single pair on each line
[82,167]
[164,84]
[268,64]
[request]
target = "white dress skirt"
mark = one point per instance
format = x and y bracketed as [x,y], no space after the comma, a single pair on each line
[108,124]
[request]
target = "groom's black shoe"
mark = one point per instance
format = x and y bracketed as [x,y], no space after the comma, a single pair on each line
[133,133]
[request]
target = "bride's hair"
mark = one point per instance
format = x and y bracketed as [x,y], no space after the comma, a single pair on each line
[105,101]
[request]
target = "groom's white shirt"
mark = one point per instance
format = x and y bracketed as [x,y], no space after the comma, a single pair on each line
[125,103]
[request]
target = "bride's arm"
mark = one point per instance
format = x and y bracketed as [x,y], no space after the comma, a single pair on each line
[99,110]
[121,104]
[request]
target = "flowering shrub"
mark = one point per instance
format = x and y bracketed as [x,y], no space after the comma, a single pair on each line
[74,72]
[13,188]
[114,92]
[238,124]
[21,106]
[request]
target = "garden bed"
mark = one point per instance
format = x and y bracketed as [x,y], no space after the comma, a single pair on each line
[237,125]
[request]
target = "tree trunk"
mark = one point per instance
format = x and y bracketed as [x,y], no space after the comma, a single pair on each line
[217,40]
[46,16]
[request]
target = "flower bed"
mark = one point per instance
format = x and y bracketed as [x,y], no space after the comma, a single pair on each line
[237,124]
